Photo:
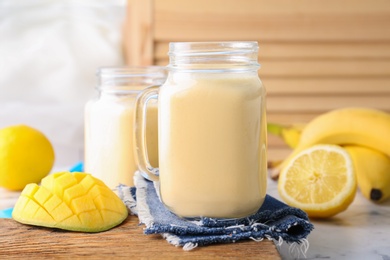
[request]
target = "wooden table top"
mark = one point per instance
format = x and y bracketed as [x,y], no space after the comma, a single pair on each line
[126,240]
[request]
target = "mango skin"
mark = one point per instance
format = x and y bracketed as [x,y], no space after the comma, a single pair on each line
[71,201]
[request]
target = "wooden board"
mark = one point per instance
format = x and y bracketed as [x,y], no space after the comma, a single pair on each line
[315,56]
[127,240]
[276,20]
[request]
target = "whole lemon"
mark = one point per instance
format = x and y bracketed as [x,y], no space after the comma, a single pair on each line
[26,156]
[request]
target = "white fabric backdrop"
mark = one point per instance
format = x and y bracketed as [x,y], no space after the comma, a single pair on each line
[49,53]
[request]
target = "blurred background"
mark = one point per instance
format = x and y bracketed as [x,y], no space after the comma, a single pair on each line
[315,55]
[49,54]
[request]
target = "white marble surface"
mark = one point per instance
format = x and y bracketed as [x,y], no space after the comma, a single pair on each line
[360,232]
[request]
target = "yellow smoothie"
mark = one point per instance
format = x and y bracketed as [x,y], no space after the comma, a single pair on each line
[109,141]
[212,150]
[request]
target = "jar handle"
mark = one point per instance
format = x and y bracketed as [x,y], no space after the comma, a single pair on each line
[141,153]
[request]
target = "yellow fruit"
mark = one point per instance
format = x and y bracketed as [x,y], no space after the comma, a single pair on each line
[372,171]
[356,126]
[26,156]
[290,134]
[320,180]
[71,201]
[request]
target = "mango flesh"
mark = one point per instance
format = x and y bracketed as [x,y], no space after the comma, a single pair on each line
[71,201]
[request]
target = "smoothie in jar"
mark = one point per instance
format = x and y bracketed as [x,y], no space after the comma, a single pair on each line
[109,124]
[220,169]
[109,144]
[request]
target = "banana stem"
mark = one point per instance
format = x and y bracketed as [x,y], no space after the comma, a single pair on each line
[274,129]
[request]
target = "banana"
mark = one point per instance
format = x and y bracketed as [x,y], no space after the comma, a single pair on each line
[357,126]
[290,134]
[372,171]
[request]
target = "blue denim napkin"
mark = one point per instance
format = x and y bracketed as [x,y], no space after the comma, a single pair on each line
[274,221]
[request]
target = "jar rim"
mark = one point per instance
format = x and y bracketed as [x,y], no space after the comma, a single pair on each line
[212,48]
[210,57]
[130,79]
[132,71]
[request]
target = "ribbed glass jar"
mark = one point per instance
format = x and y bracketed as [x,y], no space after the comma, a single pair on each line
[212,130]
[109,131]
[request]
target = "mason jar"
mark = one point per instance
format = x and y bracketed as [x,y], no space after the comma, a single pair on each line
[109,123]
[212,131]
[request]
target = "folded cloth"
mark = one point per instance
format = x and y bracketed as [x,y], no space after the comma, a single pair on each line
[274,221]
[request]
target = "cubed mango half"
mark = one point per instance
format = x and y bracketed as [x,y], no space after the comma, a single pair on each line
[70,201]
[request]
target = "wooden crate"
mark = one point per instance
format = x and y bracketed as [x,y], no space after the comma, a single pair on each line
[315,55]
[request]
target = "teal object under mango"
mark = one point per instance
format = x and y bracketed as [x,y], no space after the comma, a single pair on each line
[6,213]
[78,167]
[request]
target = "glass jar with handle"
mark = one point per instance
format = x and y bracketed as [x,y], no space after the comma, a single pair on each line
[212,131]
[109,141]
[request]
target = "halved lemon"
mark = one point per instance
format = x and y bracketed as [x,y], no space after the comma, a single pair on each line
[319,180]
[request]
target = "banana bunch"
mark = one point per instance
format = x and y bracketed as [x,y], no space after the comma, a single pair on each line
[363,132]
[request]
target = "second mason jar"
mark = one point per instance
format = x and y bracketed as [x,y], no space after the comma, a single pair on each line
[212,131]
[109,141]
